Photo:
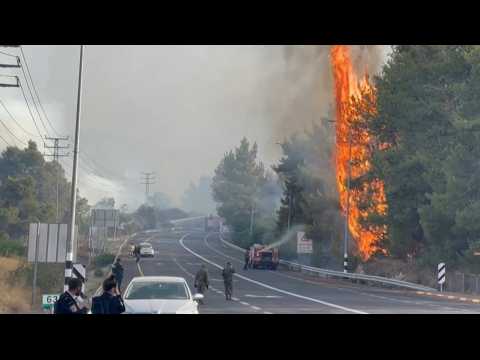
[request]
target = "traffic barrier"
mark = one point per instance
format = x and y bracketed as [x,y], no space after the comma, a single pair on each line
[339,274]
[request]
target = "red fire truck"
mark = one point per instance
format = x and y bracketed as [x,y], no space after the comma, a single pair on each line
[262,257]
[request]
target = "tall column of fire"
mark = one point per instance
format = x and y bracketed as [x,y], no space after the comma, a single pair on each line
[349,88]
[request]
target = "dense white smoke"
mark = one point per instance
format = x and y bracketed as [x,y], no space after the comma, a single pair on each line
[176,110]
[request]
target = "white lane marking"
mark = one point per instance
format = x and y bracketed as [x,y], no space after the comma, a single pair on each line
[140,269]
[271,287]
[267,312]
[244,303]
[263,296]
[219,252]
[255,308]
[235,299]
[182,268]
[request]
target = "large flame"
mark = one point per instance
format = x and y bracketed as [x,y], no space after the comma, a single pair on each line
[350,94]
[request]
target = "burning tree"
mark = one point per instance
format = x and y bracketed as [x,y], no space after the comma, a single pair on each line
[355,103]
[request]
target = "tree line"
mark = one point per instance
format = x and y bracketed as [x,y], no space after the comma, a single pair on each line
[424,121]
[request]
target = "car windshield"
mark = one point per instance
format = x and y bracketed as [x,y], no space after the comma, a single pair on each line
[157,291]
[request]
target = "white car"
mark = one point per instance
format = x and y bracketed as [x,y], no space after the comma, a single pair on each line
[146,250]
[160,295]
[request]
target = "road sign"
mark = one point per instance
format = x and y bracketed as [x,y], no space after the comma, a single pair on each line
[105,217]
[304,246]
[51,245]
[441,275]
[48,300]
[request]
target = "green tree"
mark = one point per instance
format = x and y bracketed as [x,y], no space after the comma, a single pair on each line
[428,113]
[240,187]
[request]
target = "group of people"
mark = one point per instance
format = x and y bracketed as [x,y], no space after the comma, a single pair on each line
[201,280]
[109,302]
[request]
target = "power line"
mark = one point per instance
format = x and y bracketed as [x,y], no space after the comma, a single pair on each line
[35,90]
[34,102]
[16,122]
[7,54]
[29,110]
[97,165]
[11,133]
[149,180]
[56,155]
[6,142]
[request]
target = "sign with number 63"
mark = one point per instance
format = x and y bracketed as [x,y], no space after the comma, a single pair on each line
[49,300]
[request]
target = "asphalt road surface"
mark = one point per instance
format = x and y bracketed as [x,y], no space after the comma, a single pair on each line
[273,292]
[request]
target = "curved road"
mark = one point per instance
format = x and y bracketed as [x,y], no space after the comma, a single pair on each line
[274,292]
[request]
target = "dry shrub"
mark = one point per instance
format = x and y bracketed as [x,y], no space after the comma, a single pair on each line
[15,298]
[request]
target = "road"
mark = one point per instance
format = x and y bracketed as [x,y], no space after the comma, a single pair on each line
[274,292]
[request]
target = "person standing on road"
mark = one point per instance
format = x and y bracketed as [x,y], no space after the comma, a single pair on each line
[67,304]
[227,274]
[201,281]
[117,271]
[137,253]
[247,259]
[110,302]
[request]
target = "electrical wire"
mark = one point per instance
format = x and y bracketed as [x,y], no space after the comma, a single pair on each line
[36,92]
[33,100]
[29,110]
[7,54]
[15,120]
[6,142]
[11,133]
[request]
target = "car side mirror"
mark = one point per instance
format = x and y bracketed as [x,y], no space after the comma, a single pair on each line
[197,297]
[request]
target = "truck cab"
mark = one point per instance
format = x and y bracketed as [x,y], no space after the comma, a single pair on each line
[262,257]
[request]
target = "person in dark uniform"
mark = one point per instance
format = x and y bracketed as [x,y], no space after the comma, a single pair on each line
[110,302]
[137,252]
[227,274]
[201,280]
[117,271]
[67,304]
[247,259]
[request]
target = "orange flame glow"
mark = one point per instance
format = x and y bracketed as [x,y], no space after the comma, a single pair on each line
[369,197]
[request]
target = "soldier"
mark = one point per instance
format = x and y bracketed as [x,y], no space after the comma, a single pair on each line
[201,281]
[137,252]
[67,304]
[247,259]
[227,274]
[117,271]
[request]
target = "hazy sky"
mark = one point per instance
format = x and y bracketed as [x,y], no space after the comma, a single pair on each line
[174,110]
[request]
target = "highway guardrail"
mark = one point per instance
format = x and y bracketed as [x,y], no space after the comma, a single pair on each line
[339,274]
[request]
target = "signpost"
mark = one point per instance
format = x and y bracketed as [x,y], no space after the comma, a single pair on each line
[49,300]
[441,275]
[304,246]
[47,243]
[102,219]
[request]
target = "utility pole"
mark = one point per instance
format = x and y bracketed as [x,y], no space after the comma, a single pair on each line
[56,155]
[11,85]
[71,234]
[345,244]
[252,218]
[17,65]
[149,179]
[347,217]
[290,195]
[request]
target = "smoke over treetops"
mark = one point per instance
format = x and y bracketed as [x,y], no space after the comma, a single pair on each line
[176,110]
